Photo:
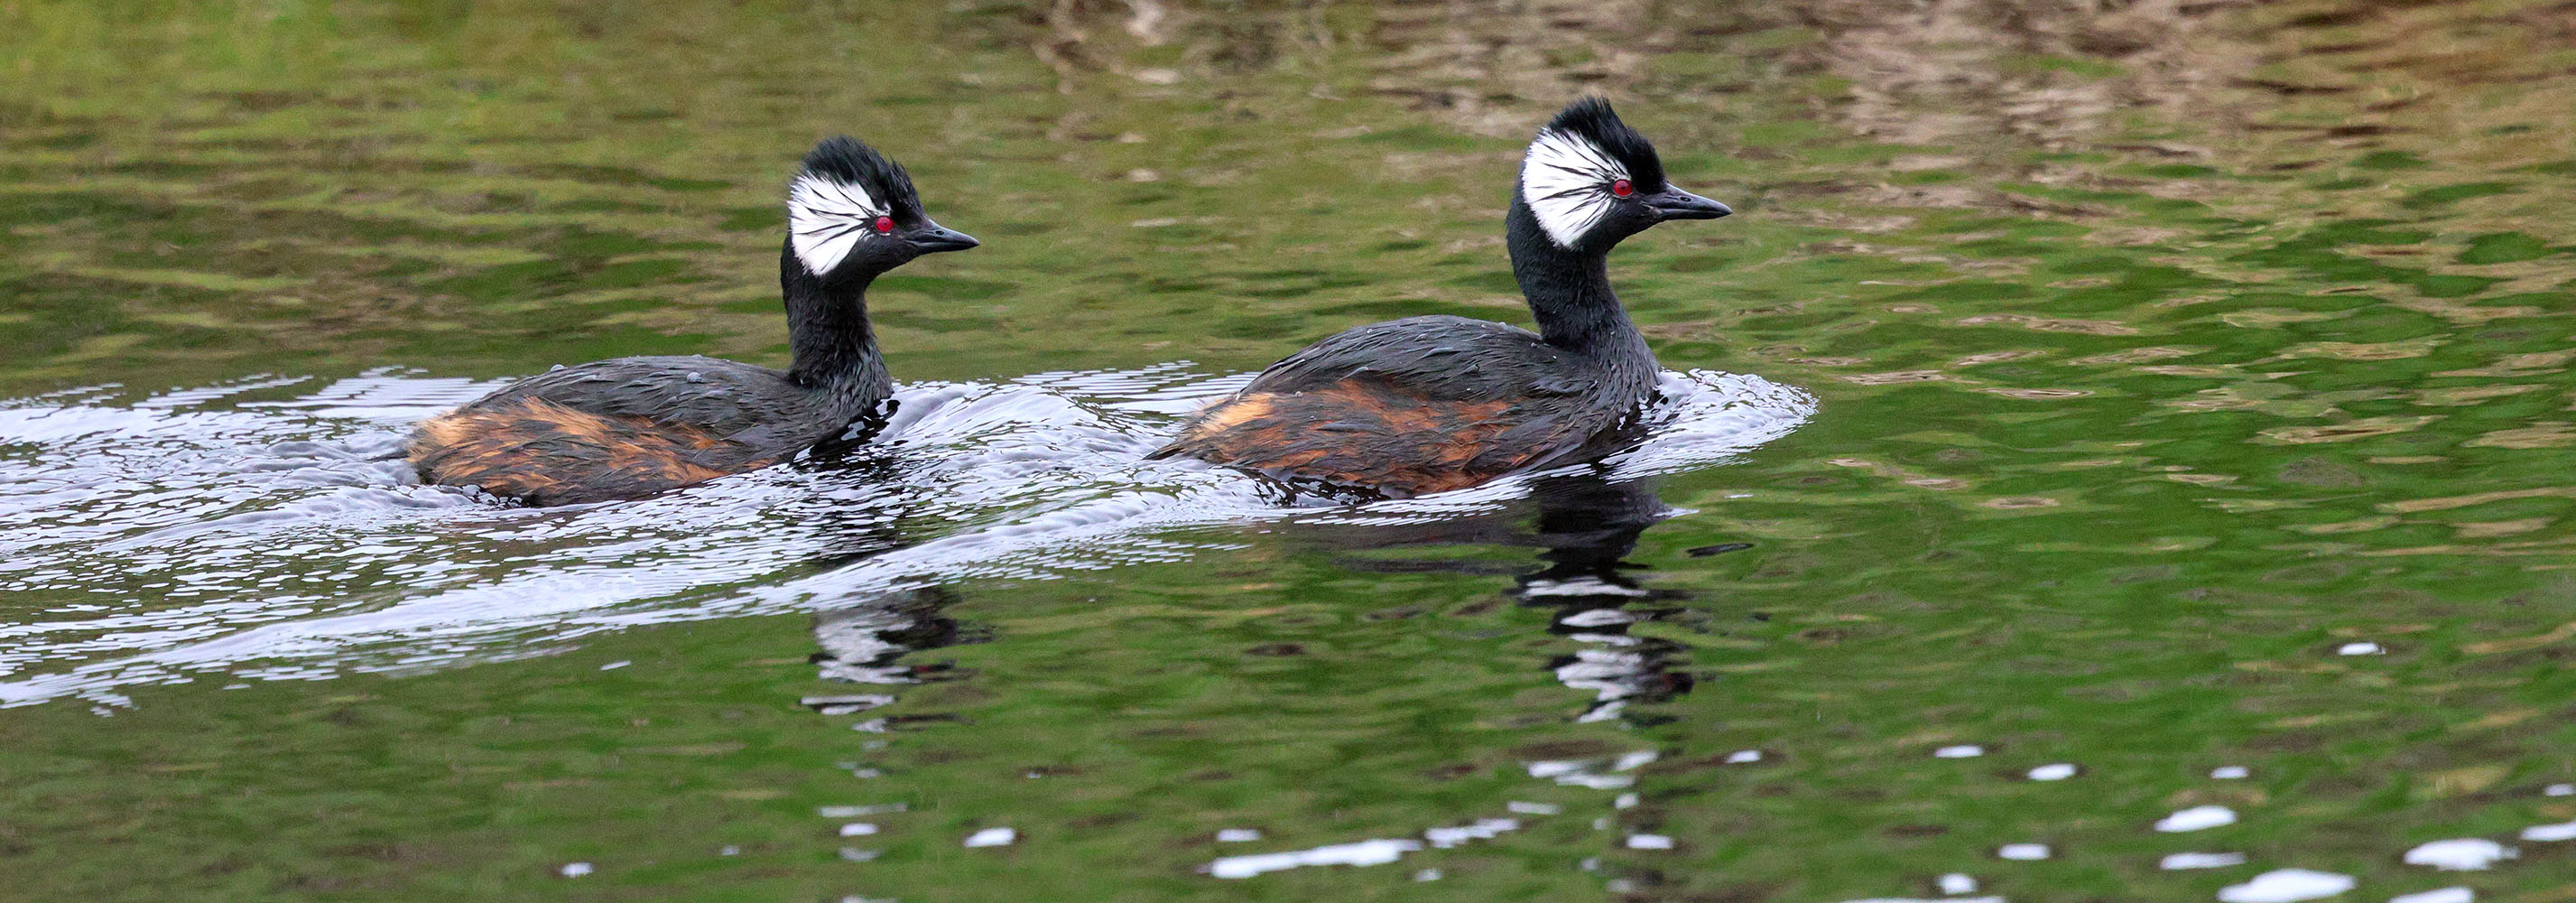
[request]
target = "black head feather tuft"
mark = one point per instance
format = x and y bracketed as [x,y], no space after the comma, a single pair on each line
[1592,119]
[848,160]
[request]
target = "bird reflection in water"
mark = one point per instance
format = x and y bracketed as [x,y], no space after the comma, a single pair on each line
[1589,527]
[864,644]
[1586,525]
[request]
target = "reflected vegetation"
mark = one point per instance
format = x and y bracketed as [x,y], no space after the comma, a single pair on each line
[2165,400]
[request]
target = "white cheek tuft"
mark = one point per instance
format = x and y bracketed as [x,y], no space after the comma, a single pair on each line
[1566,180]
[826,218]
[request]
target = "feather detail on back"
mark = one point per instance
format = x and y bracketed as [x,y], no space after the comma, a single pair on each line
[548,454]
[1366,436]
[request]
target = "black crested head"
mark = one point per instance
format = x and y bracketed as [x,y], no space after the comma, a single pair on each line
[850,161]
[852,213]
[1592,120]
[1589,181]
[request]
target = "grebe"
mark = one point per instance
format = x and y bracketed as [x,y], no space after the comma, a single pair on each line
[634,426]
[1428,404]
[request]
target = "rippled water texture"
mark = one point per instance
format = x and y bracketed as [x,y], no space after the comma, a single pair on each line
[2116,452]
[294,559]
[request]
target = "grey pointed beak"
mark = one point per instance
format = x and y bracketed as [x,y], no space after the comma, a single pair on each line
[939,238]
[1674,203]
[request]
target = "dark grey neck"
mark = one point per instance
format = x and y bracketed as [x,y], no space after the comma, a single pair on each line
[1569,294]
[836,352]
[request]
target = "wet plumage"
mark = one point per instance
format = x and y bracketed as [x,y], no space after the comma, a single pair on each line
[545,453]
[635,426]
[1430,404]
[1412,406]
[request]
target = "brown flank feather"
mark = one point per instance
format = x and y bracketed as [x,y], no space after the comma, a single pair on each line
[548,454]
[1362,433]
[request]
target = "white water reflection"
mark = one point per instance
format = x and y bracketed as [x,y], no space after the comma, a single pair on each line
[2182,861]
[2286,886]
[2196,818]
[2462,855]
[1362,853]
[2557,833]
[992,837]
[1366,852]
[2438,895]
[2022,852]
[258,531]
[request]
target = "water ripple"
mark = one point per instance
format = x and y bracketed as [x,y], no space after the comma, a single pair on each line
[280,539]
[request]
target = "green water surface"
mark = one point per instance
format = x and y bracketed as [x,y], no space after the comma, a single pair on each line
[2162,351]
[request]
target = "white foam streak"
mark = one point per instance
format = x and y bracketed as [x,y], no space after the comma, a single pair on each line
[270,542]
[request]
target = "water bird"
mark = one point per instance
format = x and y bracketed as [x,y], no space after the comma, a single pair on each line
[634,426]
[1434,403]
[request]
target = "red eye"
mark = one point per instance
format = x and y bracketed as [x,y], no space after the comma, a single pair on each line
[1622,188]
[885,224]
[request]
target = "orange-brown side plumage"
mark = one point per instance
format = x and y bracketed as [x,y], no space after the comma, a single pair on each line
[549,454]
[1365,434]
